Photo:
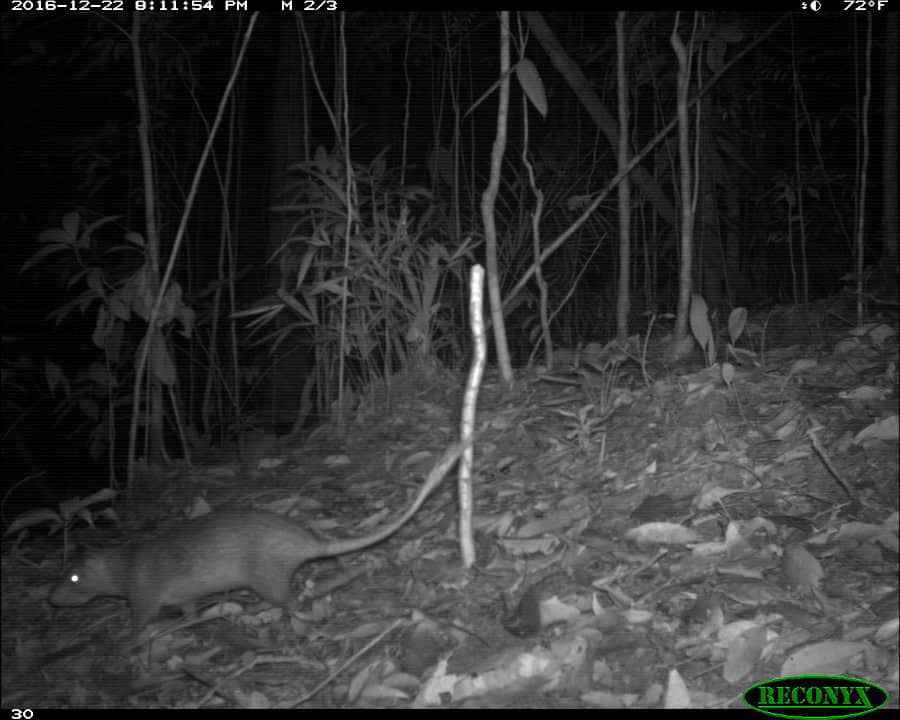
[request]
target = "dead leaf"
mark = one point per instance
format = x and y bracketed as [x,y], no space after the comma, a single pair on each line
[743,653]
[801,568]
[831,657]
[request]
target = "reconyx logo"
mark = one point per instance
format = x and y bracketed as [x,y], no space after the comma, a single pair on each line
[815,696]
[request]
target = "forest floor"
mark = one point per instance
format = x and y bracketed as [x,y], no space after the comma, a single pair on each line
[646,536]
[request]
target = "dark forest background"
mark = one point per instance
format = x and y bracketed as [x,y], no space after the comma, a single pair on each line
[276,307]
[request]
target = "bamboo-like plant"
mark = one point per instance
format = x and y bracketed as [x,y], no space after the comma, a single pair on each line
[399,269]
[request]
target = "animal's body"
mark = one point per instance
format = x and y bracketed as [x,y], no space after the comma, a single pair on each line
[221,551]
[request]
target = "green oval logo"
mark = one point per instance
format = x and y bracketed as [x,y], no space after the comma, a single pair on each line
[815,696]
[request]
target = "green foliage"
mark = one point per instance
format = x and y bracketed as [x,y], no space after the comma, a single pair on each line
[69,512]
[114,284]
[387,283]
